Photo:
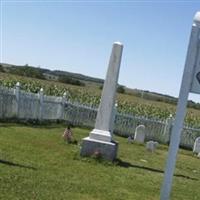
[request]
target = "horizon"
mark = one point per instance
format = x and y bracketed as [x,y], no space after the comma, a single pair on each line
[153,92]
[77,37]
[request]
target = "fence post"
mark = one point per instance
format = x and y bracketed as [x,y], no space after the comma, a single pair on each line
[17,94]
[41,99]
[62,117]
[167,129]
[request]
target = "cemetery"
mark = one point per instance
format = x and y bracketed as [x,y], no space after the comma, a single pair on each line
[117,155]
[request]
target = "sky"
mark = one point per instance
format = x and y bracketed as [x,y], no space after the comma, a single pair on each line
[77,36]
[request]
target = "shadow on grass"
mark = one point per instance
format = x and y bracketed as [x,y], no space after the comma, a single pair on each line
[127,165]
[5,162]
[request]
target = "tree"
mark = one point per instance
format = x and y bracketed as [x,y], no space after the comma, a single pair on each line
[1,68]
[28,71]
[69,80]
[121,89]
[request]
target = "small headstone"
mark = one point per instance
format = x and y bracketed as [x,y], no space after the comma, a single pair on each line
[151,146]
[139,134]
[156,144]
[130,139]
[196,147]
[198,155]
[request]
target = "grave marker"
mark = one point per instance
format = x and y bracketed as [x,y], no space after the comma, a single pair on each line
[196,148]
[139,134]
[151,145]
[100,138]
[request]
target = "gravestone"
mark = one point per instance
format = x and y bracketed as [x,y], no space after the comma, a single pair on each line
[130,139]
[151,145]
[198,156]
[196,147]
[139,134]
[100,138]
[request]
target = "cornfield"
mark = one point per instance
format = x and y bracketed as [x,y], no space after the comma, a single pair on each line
[86,96]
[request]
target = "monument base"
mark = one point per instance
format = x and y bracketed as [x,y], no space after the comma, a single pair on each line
[107,150]
[97,134]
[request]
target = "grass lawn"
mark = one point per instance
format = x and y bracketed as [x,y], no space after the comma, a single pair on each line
[35,163]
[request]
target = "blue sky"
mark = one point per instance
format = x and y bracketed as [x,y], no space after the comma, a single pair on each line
[78,37]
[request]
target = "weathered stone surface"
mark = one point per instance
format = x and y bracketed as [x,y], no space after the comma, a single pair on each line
[198,156]
[139,134]
[130,139]
[106,150]
[151,146]
[196,147]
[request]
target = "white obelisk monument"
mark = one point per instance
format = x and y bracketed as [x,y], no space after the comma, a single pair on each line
[100,138]
[190,83]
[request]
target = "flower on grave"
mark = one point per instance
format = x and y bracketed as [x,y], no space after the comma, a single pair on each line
[97,154]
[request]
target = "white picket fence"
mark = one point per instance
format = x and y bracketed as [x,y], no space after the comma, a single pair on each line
[18,104]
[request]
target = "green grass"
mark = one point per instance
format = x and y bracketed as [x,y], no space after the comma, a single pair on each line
[35,163]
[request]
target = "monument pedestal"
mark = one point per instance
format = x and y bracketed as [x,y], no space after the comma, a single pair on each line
[107,150]
[97,134]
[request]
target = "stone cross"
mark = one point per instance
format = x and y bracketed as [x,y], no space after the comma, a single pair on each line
[196,148]
[139,134]
[100,138]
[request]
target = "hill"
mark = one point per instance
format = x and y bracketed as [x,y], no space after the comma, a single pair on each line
[133,101]
[81,80]
[48,74]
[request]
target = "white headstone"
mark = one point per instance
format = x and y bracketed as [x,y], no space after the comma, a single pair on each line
[196,147]
[130,139]
[198,156]
[151,146]
[139,134]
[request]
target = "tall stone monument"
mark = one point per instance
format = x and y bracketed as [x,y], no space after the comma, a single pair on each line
[100,138]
